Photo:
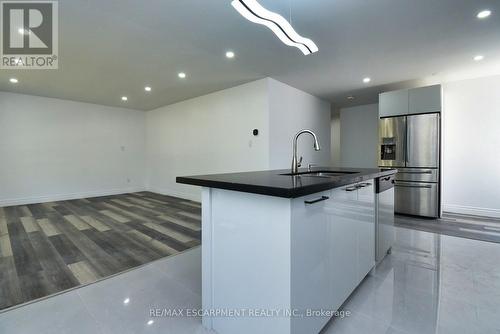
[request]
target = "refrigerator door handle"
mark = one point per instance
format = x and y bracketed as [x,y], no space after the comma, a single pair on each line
[407,151]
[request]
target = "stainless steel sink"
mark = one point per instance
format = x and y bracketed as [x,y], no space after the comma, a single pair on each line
[320,173]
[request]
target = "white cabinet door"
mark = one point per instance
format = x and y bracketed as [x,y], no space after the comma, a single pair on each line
[393,103]
[352,214]
[311,262]
[332,249]
[365,228]
[425,99]
[342,219]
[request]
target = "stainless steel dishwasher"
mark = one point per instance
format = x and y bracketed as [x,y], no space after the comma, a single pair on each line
[384,216]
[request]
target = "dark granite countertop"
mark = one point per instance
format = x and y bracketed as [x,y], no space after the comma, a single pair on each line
[271,183]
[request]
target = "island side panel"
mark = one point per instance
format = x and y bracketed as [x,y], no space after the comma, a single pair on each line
[206,251]
[246,259]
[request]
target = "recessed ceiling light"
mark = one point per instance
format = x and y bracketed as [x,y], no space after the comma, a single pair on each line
[350,97]
[13,80]
[150,322]
[483,14]
[181,75]
[367,80]
[230,54]
[124,98]
[478,58]
[126,301]
[147,89]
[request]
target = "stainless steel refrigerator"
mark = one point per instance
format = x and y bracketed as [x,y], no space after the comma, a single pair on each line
[412,145]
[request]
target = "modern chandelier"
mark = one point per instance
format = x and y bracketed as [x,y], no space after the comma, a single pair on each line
[254,12]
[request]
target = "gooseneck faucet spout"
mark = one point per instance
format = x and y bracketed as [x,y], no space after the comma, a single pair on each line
[297,163]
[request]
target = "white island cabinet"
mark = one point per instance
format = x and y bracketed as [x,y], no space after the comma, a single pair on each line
[271,264]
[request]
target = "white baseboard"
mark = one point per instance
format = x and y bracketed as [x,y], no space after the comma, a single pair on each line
[180,194]
[65,197]
[470,210]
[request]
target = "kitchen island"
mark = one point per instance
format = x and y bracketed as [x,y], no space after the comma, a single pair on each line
[281,252]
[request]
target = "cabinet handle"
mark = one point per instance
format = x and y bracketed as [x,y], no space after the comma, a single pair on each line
[415,172]
[323,198]
[412,186]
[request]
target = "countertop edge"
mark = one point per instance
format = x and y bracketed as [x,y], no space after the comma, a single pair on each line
[283,192]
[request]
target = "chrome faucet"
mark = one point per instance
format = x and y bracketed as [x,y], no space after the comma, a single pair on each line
[296,164]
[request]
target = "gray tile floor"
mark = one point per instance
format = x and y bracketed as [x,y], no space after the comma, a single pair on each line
[430,283]
[458,225]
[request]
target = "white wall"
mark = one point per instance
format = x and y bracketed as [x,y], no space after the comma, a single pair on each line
[335,159]
[291,110]
[55,149]
[359,136]
[213,134]
[206,135]
[471,139]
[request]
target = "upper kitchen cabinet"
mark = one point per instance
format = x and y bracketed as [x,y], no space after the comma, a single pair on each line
[410,101]
[425,99]
[393,103]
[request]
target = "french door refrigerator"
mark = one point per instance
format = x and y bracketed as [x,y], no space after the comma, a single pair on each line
[411,144]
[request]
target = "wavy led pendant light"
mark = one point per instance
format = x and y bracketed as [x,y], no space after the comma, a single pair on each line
[254,12]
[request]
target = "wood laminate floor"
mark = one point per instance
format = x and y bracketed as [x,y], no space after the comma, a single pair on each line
[50,247]
[457,225]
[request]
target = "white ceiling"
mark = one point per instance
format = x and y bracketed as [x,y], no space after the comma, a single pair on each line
[115,47]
